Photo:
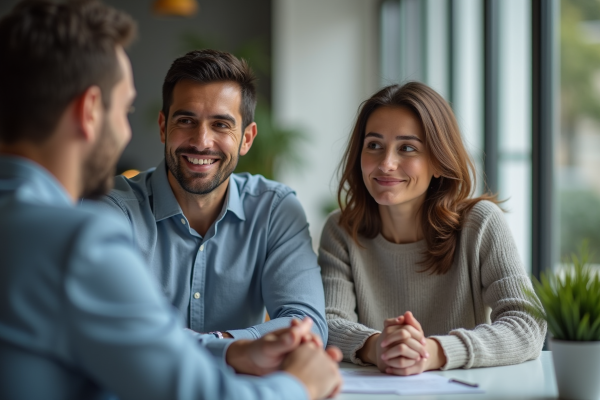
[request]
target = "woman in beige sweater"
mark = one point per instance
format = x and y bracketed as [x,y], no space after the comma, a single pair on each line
[419,275]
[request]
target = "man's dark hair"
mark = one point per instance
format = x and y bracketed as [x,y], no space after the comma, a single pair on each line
[51,53]
[207,66]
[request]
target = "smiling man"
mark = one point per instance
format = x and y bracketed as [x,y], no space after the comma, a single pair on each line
[224,246]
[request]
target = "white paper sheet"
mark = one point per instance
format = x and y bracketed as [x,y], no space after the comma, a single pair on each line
[369,381]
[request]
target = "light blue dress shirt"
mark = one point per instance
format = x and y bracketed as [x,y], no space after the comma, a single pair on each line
[81,317]
[257,254]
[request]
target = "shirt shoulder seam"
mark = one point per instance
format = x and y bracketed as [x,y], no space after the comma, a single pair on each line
[119,203]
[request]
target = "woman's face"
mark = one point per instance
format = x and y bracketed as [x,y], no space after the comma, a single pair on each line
[395,163]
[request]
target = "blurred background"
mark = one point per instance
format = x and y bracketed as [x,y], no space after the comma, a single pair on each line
[523,77]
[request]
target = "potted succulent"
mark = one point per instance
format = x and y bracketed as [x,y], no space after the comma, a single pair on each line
[570,303]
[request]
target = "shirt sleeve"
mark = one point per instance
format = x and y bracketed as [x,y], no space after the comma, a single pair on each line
[514,336]
[291,279]
[127,338]
[340,299]
[217,347]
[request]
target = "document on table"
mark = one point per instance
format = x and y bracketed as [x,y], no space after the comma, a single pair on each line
[369,381]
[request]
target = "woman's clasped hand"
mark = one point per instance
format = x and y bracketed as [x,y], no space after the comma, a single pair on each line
[402,348]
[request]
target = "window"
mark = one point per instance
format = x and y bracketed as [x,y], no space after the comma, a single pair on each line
[578,147]
[477,54]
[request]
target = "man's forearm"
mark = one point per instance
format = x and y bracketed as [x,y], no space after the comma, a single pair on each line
[259,330]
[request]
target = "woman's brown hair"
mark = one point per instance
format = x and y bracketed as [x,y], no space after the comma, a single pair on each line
[448,197]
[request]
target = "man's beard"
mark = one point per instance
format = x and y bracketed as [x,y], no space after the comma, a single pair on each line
[100,167]
[193,182]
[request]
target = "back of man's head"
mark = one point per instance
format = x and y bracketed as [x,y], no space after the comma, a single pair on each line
[208,66]
[51,53]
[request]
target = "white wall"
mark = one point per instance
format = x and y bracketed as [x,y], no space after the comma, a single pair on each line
[325,63]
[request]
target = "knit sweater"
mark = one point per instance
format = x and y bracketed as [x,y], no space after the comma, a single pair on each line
[476,311]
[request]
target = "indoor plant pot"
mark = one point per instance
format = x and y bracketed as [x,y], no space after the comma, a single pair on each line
[570,302]
[577,368]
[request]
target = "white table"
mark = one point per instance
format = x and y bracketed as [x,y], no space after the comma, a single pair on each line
[526,381]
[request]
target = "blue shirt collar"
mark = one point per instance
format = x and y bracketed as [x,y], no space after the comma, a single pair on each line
[31,181]
[165,204]
[234,200]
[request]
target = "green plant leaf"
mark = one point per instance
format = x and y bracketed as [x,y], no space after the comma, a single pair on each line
[569,301]
[595,329]
[584,328]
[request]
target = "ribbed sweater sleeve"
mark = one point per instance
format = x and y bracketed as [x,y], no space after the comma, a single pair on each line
[342,320]
[514,336]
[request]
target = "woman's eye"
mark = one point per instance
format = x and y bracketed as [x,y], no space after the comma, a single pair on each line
[373,145]
[407,148]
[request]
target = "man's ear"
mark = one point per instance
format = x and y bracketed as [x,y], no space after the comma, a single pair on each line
[161,125]
[248,138]
[89,112]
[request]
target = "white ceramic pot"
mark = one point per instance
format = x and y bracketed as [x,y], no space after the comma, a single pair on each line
[577,369]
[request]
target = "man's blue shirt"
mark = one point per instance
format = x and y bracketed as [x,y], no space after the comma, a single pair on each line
[257,254]
[81,317]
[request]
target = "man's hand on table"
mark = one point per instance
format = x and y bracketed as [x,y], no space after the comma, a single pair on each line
[295,350]
[316,369]
[265,355]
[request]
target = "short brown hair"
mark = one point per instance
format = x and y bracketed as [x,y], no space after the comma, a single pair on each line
[447,199]
[51,53]
[207,66]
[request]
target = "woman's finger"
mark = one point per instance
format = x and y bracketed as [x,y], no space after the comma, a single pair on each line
[400,350]
[394,336]
[403,333]
[416,334]
[411,344]
[415,369]
[393,321]
[410,319]
[401,362]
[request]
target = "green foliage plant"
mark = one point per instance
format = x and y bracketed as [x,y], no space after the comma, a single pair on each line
[570,301]
[272,146]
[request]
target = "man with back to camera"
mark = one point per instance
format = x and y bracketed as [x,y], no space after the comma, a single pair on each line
[222,245]
[80,316]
